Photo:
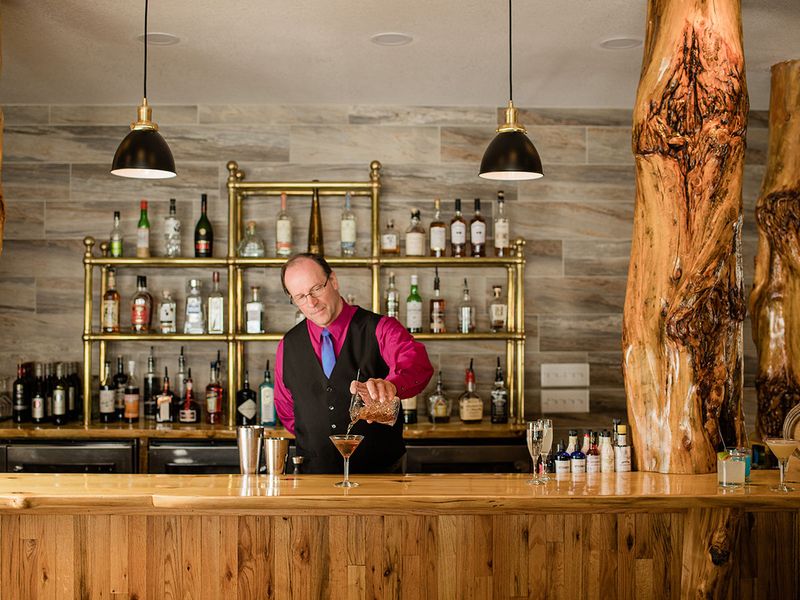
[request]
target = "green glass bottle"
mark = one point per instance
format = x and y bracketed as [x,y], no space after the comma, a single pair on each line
[203,232]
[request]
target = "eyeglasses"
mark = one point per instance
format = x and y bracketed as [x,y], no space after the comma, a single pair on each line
[314,292]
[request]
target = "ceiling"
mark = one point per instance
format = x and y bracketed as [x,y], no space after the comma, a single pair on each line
[319,51]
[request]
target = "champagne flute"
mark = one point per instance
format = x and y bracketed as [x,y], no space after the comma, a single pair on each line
[782,449]
[547,445]
[346,445]
[535,435]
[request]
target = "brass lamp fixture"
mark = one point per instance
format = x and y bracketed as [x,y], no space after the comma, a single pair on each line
[144,154]
[511,155]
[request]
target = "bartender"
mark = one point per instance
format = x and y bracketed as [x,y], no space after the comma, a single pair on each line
[316,365]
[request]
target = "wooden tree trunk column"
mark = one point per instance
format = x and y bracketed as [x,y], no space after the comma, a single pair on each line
[684,306]
[774,305]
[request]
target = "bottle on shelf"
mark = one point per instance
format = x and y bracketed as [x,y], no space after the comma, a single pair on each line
[466,312]
[587,440]
[165,401]
[458,233]
[131,397]
[593,455]
[439,405]
[246,408]
[499,396]
[622,452]
[190,409]
[561,460]
[38,414]
[167,308]
[115,239]
[172,232]
[614,431]
[498,310]
[120,381]
[502,236]
[143,232]
[194,315]
[573,441]
[414,308]
[151,386]
[477,232]
[254,311]
[59,414]
[470,404]
[216,307]
[110,304]
[390,239]
[577,459]
[438,231]
[215,396]
[316,244]
[283,231]
[108,394]
[251,246]
[50,384]
[391,299]
[266,399]
[203,232]
[409,406]
[347,228]
[141,307]
[180,379]
[437,306]
[21,407]
[74,395]
[415,235]
[606,453]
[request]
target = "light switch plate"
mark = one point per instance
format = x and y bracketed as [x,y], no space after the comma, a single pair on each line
[565,375]
[565,401]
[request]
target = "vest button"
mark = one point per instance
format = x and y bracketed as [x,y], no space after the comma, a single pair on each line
[329,389]
[330,408]
[333,426]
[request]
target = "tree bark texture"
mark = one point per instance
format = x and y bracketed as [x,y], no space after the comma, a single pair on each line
[709,552]
[775,299]
[684,304]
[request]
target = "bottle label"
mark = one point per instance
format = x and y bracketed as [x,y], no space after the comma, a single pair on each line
[499,403]
[166,317]
[415,244]
[267,399]
[498,313]
[216,313]
[194,315]
[562,466]
[470,409]
[37,407]
[283,235]
[458,233]
[501,235]
[389,242]
[477,232]
[107,399]
[212,401]
[465,319]
[622,459]
[254,312]
[348,231]
[116,248]
[438,238]
[393,304]
[172,228]
[131,406]
[439,408]
[247,409]
[578,465]
[202,246]
[119,398]
[409,403]
[143,242]
[593,463]
[19,397]
[59,402]
[607,460]
[140,315]
[164,414]
[187,415]
[110,314]
[71,398]
[414,315]
[437,320]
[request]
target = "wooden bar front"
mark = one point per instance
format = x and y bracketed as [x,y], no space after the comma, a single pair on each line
[427,536]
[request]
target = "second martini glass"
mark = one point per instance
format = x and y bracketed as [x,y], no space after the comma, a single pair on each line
[346,445]
[782,449]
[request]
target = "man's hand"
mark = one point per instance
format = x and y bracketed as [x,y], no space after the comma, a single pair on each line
[374,390]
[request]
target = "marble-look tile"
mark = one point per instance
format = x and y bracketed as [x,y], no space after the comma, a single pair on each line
[35,181]
[61,295]
[40,336]
[17,294]
[571,295]
[586,333]
[582,183]
[273,114]
[421,115]
[42,258]
[228,142]
[362,143]
[24,220]
[545,258]
[604,117]
[596,258]
[26,114]
[103,114]
[605,369]
[610,145]
[574,220]
[555,144]
[59,144]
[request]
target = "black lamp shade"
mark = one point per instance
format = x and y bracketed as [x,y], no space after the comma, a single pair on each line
[511,156]
[144,154]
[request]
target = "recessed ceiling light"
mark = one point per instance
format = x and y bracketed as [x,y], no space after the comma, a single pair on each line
[158,38]
[621,43]
[391,39]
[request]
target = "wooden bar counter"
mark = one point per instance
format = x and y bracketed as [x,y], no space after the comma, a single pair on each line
[632,535]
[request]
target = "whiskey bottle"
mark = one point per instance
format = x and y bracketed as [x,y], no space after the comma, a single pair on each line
[194,315]
[167,309]
[316,245]
[203,232]
[477,232]
[438,231]
[165,402]
[266,399]
[141,307]
[283,231]
[120,381]
[498,310]
[190,410]
[390,240]
[216,307]
[470,405]
[414,308]
[108,393]
[60,397]
[466,312]
[415,236]
[151,386]
[391,299]
[502,237]
[110,304]
[246,408]
[439,405]
[172,232]
[115,239]
[348,228]
[215,396]
[131,397]
[143,232]
[437,307]
[499,396]
[458,233]
[21,407]
[254,311]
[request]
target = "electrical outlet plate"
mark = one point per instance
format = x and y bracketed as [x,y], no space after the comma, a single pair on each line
[565,401]
[565,375]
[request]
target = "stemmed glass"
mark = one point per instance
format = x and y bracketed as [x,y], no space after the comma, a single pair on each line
[782,449]
[535,436]
[547,445]
[346,445]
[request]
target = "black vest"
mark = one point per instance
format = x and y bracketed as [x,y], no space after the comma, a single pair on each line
[321,405]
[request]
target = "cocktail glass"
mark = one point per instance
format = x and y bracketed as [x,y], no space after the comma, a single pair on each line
[782,449]
[535,436]
[346,445]
[547,446]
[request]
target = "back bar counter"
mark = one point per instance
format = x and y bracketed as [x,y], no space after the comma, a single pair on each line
[628,535]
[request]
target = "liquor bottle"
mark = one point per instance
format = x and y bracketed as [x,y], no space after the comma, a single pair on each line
[316,244]
[110,304]
[120,380]
[254,311]
[141,307]
[21,407]
[470,405]
[391,299]
[606,453]
[131,397]
[49,384]
[165,401]
[499,396]
[214,396]
[587,440]
[172,232]
[115,239]
[283,231]
[190,409]
[593,455]
[151,387]
[458,233]
[409,406]
[246,408]
[390,240]
[203,232]
[477,232]
[502,237]
[577,460]
[167,308]
[438,231]
[194,315]
[438,305]
[561,459]
[143,232]
[108,394]
[439,405]
[466,312]
[498,310]
[38,395]
[414,308]
[60,397]
[216,307]
[251,246]
[347,228]
[573,441]
[74,397]
[415,236]
[180,379]
[614,431]
[622,452]
[266,399]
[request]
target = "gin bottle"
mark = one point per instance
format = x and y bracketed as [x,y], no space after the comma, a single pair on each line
[391,299]
[348,228]
[216,307]
[166,313]
[115,238]
[283,231]
[195,318]
[172,232]
[466,312]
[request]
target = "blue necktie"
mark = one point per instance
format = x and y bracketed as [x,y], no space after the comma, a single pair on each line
[328,356]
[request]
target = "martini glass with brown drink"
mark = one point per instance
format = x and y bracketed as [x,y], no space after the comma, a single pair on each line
[782,449]
[346,445]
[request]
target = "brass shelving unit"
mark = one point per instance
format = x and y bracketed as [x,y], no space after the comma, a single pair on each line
[235,340]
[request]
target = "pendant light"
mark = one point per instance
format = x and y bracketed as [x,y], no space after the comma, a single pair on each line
[511,155]
[144,154]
